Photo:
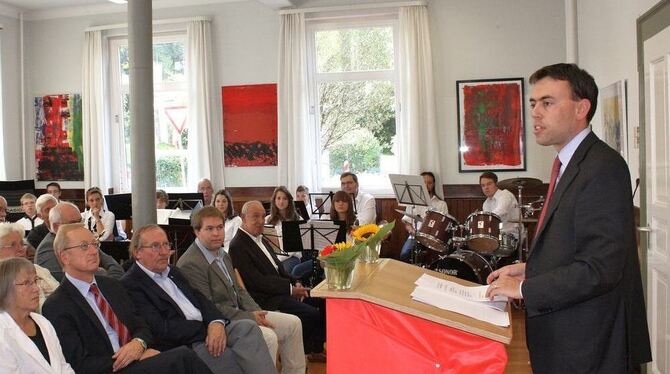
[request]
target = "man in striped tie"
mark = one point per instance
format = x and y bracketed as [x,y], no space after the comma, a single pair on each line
[97,324]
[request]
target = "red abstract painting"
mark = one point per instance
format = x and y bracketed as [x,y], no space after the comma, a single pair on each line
[491,125]
[250,125]
[59,154]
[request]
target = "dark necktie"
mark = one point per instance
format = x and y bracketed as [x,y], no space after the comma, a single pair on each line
[550,192]
[110,316]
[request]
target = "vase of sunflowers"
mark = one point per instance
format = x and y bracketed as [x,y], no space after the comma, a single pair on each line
[338,262]
[370,237]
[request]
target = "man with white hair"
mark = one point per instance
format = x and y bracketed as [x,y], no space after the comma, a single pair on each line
[61,214]
[206,189]
[43,205]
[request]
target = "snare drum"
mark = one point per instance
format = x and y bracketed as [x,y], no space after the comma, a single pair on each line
[483,232]
[466,265]
[508,245]
[436,231]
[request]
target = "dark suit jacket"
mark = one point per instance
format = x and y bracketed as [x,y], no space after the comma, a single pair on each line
[583,292]
[231,299]
[266,284]
[37,234]
[166,321]
[83,338]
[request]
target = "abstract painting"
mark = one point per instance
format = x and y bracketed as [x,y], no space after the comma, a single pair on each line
[59,155]
[250,125]
[491,125]
[614,115]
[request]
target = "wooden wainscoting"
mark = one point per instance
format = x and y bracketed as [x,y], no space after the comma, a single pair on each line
[73,195]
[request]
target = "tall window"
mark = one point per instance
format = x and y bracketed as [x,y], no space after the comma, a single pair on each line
[170,109]
[353,84]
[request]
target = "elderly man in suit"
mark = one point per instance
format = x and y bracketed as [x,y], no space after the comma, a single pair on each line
[98,327]
[269,284]
[45,256]
[209,269]
[178,314]
[585,310]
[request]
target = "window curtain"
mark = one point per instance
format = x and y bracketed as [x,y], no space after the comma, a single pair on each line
[96,139]
[296,139]
[419,146]
[205,137]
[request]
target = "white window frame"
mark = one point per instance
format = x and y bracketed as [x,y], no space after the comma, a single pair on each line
[314,79]
[116,92]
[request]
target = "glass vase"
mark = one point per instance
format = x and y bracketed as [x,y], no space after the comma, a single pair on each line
[370,253]
[339,278]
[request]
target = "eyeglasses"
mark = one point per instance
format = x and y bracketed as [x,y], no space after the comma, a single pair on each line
[156,247]
[29,282]
[15,245]
[211,229]
[84,246]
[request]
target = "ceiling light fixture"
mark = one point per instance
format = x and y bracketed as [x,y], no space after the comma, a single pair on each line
[119,1]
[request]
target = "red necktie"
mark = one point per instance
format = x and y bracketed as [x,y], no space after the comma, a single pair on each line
[110,316]
[552,183]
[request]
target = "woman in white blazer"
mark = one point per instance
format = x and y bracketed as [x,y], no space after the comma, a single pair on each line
[28,341]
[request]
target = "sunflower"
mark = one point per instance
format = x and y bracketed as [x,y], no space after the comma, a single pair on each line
[342,246]
[364,232]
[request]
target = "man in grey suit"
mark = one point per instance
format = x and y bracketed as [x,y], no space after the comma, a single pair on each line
[209,269]
[61,214]
[178,314]
[585,309]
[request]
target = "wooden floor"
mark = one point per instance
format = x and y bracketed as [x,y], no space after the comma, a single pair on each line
[517,354]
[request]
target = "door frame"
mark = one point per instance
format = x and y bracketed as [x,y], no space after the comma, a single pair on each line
[649,24]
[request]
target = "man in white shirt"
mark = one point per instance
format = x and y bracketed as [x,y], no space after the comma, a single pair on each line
[436,204]
[365,205]
[500,202]
[31,219]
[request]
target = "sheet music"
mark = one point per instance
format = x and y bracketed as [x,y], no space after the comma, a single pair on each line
[325,233]
[163,216]
[180,214]
[469,301]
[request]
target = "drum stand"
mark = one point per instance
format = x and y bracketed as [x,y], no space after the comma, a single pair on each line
[416,251]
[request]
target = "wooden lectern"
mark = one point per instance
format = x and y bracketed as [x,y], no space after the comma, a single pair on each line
[376,327]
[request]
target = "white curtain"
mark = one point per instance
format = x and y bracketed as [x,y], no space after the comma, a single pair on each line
[297,164]
[205,136]
[419,147]
[97,163]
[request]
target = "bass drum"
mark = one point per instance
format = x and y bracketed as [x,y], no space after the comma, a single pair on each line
[466,265]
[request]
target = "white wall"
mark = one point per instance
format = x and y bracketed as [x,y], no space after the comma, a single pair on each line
[471,40]
[608,50]
[11,118]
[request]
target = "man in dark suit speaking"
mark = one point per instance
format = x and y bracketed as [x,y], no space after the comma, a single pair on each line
[96,323]
[585,310]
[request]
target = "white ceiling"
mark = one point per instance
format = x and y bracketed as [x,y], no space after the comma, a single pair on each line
[35,5]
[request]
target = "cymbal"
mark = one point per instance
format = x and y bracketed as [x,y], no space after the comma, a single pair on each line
[523,220]
[414,217]
[514,183]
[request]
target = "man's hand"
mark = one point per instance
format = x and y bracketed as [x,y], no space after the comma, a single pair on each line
[216,338]
[410,228]
[299,292]
[505,281]
[149,353]
[517,271]
[130,352]
[259,315]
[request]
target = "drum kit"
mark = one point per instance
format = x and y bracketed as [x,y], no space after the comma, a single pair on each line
[477,247]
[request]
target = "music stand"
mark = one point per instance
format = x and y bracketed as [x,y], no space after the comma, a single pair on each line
[320,202]
[302,209]
[186,201]
[411,190]
[121,205]
[275,240]
[12,192]
[310,237]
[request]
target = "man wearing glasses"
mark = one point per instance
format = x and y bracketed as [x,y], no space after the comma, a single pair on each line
[178,314]
[61,214]
[97,324]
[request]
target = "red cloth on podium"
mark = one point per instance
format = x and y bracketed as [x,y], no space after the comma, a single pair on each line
[368,338]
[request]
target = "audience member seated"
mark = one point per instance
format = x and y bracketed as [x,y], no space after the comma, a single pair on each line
[162,199]
[11,245]
[282,208]
[209,269]
[53,189]
[436,204]
[66,213]
[302,194]
[178,314]
[224,203]
[206,189]
[100,329]
[30,218]
[365,205]
[101,222]
[43,204]
[28,341]
[3,209]
[270,285]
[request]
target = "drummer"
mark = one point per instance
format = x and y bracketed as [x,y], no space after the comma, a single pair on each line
[500,202]
[436,204]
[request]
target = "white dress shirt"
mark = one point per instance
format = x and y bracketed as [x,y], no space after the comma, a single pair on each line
[231,229]
[366,208]
[503,203]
